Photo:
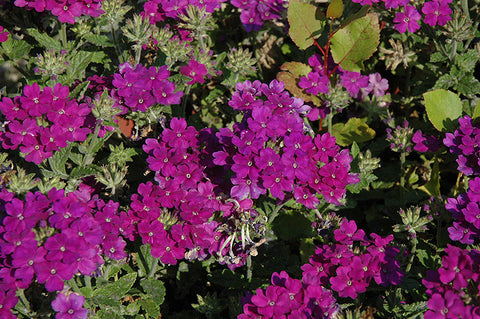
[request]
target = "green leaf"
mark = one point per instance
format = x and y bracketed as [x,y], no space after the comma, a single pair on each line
[432,188]
[443,107]
[356,42]
[45,40]
[77,65]
[154,288]
[445,81]
[468,85]
[98,39]
[16,49]
[290,75]
[150,307]
[79,171]
[118,289]
[306,23]
[467,61]
[335,9]
[355,130]
[476,112]
[79,90]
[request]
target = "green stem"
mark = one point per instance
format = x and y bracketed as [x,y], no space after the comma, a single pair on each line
[249,268]
[413,252]
[274,213]
[184,102]
[329,122]
[138,53]
[466,11]
[63,35]
[23,299]
[87,157]
[402,177]
[115,44]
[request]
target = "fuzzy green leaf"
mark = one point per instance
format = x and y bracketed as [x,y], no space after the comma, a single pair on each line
[306,23]
[45,40]
[356,42]
[118,289]
[443,107]
[154,288]
[98,39]
[150,306]
[16,49]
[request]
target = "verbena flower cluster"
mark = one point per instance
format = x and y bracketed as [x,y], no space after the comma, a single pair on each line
[139,88]
[464,143]
[318,81]
[69,307]
[271,150]
[255,12]
[454,288]
[425,143]
[466,214]
[49,238]
[157,10]
[3,34]
[290,298]
[436,12]
[176,215]
[65,10]
[42,121]
[348,265]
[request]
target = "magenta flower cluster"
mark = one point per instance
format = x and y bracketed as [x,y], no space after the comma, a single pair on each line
[69,307]
[79,231]
[65,10]
[464,143]
[453,289]
[158,10]
[42,121]
[271,150]
[255,12]
[3,34]
[139,88]
[317,81]
[466,214]
[348,265]
[290,298]
[175,215]
[425,143]
[437,12]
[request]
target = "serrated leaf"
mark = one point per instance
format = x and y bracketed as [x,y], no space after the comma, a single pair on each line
[150,307]
[468,85]
[445,81]
[468,60]
[154,288]
[79,171]
[98,39]
[306,23]
[79,90]
[110,313]
[45,40]
[78,63]
[117,289]
[355,42]
[476,111]
[16,49]
[443,107]
[335,9]
[290,75]
[355,130]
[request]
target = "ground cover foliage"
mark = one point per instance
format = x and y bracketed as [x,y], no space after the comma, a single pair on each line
[239,159]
